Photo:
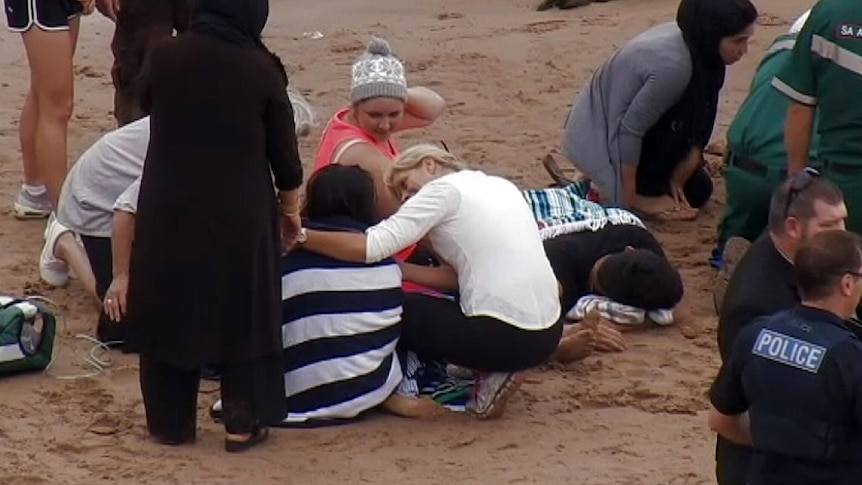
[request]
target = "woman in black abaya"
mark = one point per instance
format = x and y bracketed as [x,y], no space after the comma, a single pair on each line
[204,284]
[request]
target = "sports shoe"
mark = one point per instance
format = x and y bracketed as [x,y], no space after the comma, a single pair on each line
[29,206]
[491,392]
[53,271]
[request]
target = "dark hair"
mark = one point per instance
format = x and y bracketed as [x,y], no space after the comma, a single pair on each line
[824,259]
[341,191]
[704,23]
[802,201]
[640,278]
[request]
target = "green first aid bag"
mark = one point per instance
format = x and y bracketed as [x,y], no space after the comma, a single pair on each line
[27,331]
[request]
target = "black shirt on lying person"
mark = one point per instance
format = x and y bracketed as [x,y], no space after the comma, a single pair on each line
[762,284]
[577,257]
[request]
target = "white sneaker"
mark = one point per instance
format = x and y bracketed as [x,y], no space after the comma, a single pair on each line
[28,206]
[53,271]
[491,392]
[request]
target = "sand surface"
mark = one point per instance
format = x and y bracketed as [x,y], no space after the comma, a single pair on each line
[509,74]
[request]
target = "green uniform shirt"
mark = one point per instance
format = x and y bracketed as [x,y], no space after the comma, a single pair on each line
[757,130]
[825,69]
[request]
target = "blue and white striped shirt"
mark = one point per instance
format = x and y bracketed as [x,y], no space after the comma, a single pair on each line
[341,323]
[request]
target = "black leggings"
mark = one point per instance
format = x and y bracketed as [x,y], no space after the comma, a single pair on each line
[98,251]
[436,329]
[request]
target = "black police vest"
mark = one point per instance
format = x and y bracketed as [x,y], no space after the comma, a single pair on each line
[790,408]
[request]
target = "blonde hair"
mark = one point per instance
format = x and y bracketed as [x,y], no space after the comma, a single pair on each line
[414,156]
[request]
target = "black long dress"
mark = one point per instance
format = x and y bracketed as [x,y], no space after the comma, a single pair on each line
[204,281]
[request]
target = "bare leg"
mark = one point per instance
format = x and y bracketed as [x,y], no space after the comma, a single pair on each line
[68,249]
[27,136]
[50,57]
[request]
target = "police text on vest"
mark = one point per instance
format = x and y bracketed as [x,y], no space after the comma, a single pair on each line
[788,350]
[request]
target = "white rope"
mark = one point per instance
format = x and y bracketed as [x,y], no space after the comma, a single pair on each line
[95,358]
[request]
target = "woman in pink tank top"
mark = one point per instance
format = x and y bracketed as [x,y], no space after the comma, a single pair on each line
[381,105]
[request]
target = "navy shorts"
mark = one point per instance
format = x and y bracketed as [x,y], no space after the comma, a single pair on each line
[44,14]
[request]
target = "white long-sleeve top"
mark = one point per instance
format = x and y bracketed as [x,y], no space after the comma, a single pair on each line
[480,225]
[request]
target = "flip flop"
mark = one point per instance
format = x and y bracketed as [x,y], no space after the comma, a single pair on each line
[258,436]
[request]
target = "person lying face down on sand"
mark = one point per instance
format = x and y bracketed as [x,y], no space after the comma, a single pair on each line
[97,204]
[652,105]
[381,105]
[607,262]
[507,316]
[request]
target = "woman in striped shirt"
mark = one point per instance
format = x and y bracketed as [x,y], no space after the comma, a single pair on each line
[341,320]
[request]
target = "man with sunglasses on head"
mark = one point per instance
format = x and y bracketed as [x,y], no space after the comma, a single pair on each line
[792,387]
[822,79]
[764,282]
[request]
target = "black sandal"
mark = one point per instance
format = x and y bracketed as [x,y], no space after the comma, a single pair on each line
[258,436]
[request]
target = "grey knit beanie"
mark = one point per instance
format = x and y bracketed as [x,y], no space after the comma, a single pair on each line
[377,73]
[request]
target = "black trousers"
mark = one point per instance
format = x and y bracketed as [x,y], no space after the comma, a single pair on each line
[250,392]
[653,180]
[98,251]
[436,329]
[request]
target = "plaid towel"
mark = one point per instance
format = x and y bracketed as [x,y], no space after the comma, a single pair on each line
[617,312]
[566,210]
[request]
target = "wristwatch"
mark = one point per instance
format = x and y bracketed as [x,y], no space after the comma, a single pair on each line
[302,237]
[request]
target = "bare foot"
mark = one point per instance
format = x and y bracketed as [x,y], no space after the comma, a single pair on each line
[609,339]
[412,407]
[608,335]
[577,343]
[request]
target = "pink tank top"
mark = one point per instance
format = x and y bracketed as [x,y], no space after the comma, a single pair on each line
[337,136]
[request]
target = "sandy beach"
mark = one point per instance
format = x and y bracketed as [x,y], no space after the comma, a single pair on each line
[509,74]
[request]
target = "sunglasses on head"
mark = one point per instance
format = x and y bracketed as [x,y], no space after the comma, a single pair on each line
[798,184]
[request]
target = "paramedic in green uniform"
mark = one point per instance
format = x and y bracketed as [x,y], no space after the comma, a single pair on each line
[756,160]
[825,72]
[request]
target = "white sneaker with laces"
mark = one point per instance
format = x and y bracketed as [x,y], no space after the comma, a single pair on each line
[53,271]
[491,392]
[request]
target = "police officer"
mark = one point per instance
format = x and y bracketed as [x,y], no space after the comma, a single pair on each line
[756,160]
[792,387]
[824,72]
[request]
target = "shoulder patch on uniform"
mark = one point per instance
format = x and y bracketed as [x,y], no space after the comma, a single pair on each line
[788,350]
[848,31]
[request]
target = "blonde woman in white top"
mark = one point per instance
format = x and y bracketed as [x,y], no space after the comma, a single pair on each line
[507,316]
